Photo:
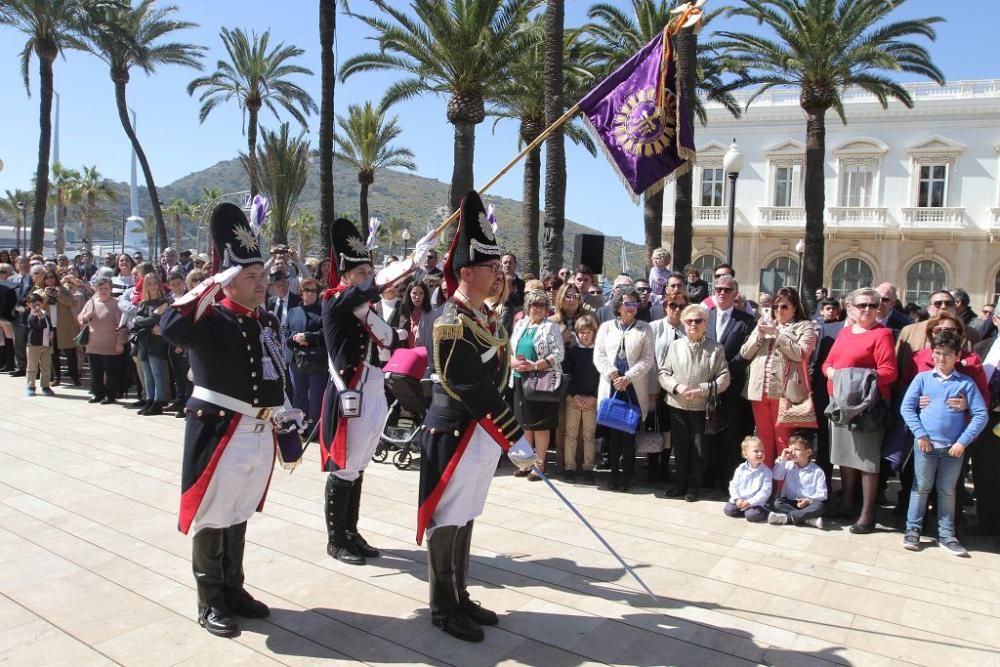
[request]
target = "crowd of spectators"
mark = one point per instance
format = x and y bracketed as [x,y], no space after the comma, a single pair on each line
[679,347]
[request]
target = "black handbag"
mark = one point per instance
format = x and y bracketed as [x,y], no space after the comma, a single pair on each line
[715,423]
[545,386]
[82,338]
[310,359]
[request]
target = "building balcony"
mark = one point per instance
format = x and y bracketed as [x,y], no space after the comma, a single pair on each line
[711,216]
[933,218]
[995,217]
[865,217]
[782,216]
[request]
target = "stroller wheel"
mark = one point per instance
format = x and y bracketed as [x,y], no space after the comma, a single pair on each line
[381,453]
[402,459]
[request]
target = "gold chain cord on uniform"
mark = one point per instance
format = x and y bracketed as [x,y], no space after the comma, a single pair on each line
[482,336]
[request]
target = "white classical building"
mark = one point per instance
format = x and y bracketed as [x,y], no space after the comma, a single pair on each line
[912,195]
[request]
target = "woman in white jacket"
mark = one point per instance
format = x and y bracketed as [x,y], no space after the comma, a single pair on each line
[537,345]
[623,355]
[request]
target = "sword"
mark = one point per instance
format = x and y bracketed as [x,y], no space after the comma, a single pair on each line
[628,568]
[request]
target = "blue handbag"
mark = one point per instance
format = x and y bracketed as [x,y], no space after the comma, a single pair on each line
[621,414]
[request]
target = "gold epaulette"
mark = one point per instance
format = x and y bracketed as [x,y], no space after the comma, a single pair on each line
[449,325]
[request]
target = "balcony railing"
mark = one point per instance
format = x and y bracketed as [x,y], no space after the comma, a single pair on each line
[782,216]
[856,216]
[939,217]
[711,215]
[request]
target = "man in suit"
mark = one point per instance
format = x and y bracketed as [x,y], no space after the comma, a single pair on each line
[984,323]
[730,327]
[508,264]
[986,450]
[887,314]
[281,299]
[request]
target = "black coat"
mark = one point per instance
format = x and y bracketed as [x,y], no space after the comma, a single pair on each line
[306,320]
[292,301]
[896,321]
[150,344]
[825,338]
[737,331]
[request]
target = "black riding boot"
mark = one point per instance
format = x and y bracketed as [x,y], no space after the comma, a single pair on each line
[475,611]
[239,601]
[353,510]
[442,575]
[207,562]
[338,499]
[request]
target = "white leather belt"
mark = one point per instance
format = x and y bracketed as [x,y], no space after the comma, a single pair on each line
[234,404]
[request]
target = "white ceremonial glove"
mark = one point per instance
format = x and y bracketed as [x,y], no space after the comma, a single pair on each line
[399,270]
[522,454]
[206,292]
[287,418]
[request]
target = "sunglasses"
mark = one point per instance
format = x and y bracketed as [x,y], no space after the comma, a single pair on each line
[724,290]
[693,322]
[631,305]
[642,290]
[938,330]
[675,306]
[864,306]
[782,306]
[571,297]
[942,304]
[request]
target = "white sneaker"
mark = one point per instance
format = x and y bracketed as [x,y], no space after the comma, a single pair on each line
[815,522]
[777,519]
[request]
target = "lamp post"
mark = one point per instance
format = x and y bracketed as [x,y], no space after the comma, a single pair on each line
[800,249]
[405,235]
[20,226]
[732,164]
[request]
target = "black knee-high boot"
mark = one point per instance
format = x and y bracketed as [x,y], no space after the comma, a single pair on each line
[239,601]
[353,511]
[7,364]
[442,576]
[207,563]
[475,611]
[338,500]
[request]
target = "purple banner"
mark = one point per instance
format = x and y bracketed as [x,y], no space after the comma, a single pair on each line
[645,144]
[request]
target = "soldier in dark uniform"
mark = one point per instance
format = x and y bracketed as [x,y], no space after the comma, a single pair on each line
[236,358]
[468,424]
[354,335]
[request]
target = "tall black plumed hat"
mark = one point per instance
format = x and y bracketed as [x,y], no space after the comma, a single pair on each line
[235,242]
[474,241]
[348,249]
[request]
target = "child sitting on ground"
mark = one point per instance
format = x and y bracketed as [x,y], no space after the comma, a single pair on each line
[750,487]
[941,435]
[39,345]
[581,400]
[801,499]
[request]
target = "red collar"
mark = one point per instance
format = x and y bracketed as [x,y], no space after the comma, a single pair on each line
[334,290]
[239,309]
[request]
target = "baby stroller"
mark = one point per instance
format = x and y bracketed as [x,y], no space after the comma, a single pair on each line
[404,379]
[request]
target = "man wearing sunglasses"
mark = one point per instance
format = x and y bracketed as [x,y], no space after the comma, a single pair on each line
[730,327]
[913,337]
[888,315]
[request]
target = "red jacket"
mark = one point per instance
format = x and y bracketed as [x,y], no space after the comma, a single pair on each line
[969,364]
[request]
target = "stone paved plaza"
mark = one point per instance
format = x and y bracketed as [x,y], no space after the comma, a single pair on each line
[94,571]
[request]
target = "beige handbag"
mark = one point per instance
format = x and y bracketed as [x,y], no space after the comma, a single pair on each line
[797,414]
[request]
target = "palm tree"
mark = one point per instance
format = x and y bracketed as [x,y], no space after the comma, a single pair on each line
[521,99]
[617,36]
[149,228]
[366,144]
[389,232]
[555,146]
[92,190]
[178,210]
[284,168]
[125,37]
[50,28]
[257,78]
[9,207]
[459,48]
[64,186]
[304,229]
[822,47]
[328,82]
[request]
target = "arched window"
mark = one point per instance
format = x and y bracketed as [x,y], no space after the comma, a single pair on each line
[779,272]
[849,275]
[923,279]
[707,264]
[996,287]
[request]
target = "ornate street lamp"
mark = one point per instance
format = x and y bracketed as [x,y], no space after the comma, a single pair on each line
[405,235]
[732,164]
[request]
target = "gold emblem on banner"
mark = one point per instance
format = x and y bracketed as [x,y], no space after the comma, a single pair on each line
[640,128]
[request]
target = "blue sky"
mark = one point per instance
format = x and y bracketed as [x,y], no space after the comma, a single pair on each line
[177,144]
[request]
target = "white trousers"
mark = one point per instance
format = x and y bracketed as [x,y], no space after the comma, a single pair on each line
[465,496]
[240,480]
[364,431]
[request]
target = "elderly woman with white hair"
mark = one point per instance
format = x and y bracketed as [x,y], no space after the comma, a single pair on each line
[692,364]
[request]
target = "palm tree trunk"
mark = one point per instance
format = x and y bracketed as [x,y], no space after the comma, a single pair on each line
[44,148]
[555,150]
[252,169]
[465,153]
[363,204]
[529,208]
[88,226]
[686,43]
[652,223]
[328,75]
[60,225]
[154,198]
[815,200]
[177,233]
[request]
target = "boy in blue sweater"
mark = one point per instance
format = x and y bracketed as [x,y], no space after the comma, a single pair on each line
[942,435]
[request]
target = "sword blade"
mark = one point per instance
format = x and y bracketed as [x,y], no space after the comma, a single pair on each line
[628,568]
